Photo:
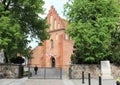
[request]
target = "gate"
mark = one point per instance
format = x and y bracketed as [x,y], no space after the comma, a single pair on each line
[45,73]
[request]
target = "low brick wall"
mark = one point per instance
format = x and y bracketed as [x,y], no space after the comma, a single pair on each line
[9,71]
[94,70]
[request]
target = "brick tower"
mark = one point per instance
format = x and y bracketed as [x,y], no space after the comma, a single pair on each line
[56,51]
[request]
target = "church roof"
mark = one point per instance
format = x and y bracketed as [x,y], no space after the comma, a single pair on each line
[53,12]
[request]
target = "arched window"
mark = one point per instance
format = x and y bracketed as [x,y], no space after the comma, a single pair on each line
[55,24]
[66,37]
[52,62]
[58,26]
[52,44]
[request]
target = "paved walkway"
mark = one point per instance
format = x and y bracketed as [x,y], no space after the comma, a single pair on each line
[26,81]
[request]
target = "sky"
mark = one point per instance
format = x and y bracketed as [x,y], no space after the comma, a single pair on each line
[58,5]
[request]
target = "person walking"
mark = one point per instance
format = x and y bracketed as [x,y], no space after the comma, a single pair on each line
[35,69]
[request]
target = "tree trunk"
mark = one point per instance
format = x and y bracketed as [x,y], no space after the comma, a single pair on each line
[6,57]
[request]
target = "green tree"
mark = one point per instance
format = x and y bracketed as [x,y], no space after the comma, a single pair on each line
[18,20]
[91,24]
[115,46]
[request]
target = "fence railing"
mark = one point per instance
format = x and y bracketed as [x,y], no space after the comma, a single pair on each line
[45,73]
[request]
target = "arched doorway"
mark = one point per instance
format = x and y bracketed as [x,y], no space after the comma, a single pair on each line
[52,62]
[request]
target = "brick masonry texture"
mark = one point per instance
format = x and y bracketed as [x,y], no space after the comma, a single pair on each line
[59,46]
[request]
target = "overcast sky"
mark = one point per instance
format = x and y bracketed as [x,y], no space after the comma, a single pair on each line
[58,5]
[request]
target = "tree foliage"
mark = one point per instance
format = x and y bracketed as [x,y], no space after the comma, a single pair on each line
[93,26]
[18,20]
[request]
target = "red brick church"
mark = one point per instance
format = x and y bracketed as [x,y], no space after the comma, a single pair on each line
[56,51]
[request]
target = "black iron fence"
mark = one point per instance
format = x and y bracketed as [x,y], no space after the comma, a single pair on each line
[45,73]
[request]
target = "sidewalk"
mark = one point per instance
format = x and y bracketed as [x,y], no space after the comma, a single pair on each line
[26,81]
[94,82]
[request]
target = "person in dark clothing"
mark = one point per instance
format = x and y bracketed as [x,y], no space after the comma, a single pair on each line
[35,69]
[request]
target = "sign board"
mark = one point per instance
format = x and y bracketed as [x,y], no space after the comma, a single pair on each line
[106,70]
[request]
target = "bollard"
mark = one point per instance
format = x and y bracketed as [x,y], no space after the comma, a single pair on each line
[70,77]
[83,77]
[89,79]
[44,73]
[100,80]
[117,83]
[60,73]
[28,72]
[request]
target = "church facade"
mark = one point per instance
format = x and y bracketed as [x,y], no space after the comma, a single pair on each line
[56,51]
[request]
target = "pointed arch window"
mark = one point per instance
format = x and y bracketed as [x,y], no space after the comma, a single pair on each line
[66,37]
[55,24]
[51,22]
[52,44]
[56,36]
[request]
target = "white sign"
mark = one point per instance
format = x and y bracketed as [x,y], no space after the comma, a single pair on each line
[106,70]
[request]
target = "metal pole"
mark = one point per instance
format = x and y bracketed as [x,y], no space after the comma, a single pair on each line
[100,80]
[44,72]
[70,72]
[117,83]
[89,79]
[29,73]
[60,72]
[83,77]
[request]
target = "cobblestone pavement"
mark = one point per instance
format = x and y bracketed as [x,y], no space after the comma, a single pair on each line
[26,81]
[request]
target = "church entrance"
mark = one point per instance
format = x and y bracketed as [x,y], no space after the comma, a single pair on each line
[51,72]
[52,62]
